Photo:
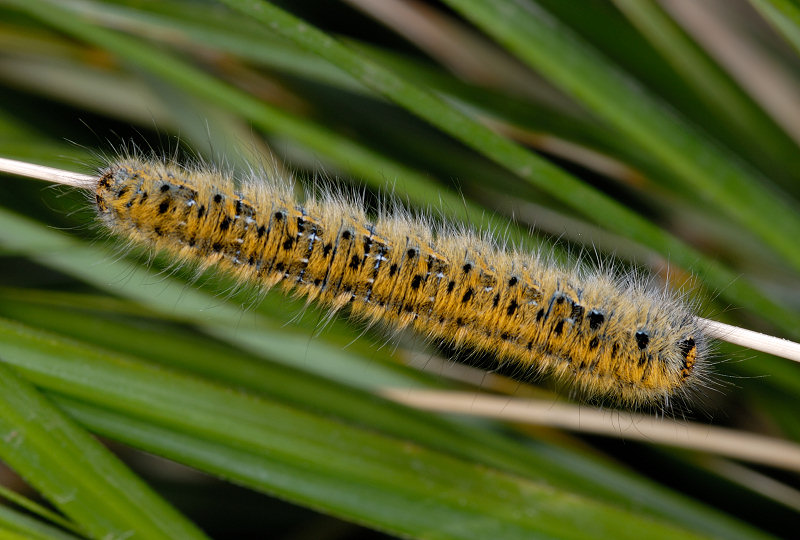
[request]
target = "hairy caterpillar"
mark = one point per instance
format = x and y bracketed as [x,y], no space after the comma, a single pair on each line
[605,336]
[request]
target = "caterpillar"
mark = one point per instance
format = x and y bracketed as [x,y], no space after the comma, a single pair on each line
[605,336]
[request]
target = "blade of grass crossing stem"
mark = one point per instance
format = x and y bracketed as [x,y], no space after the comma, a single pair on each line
[783,15]
[552,49]
[77,473]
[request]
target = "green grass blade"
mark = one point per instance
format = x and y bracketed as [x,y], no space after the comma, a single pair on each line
[703,169]
[14,535]
[644,54]
[557,465]
[783,15]
[28,527]
[236,465]
[35,509]
[712,84]
[75,472]
[310,457]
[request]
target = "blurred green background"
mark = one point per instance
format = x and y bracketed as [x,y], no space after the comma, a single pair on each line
[662,135]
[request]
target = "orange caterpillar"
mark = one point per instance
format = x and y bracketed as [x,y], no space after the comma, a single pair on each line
[606,337]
